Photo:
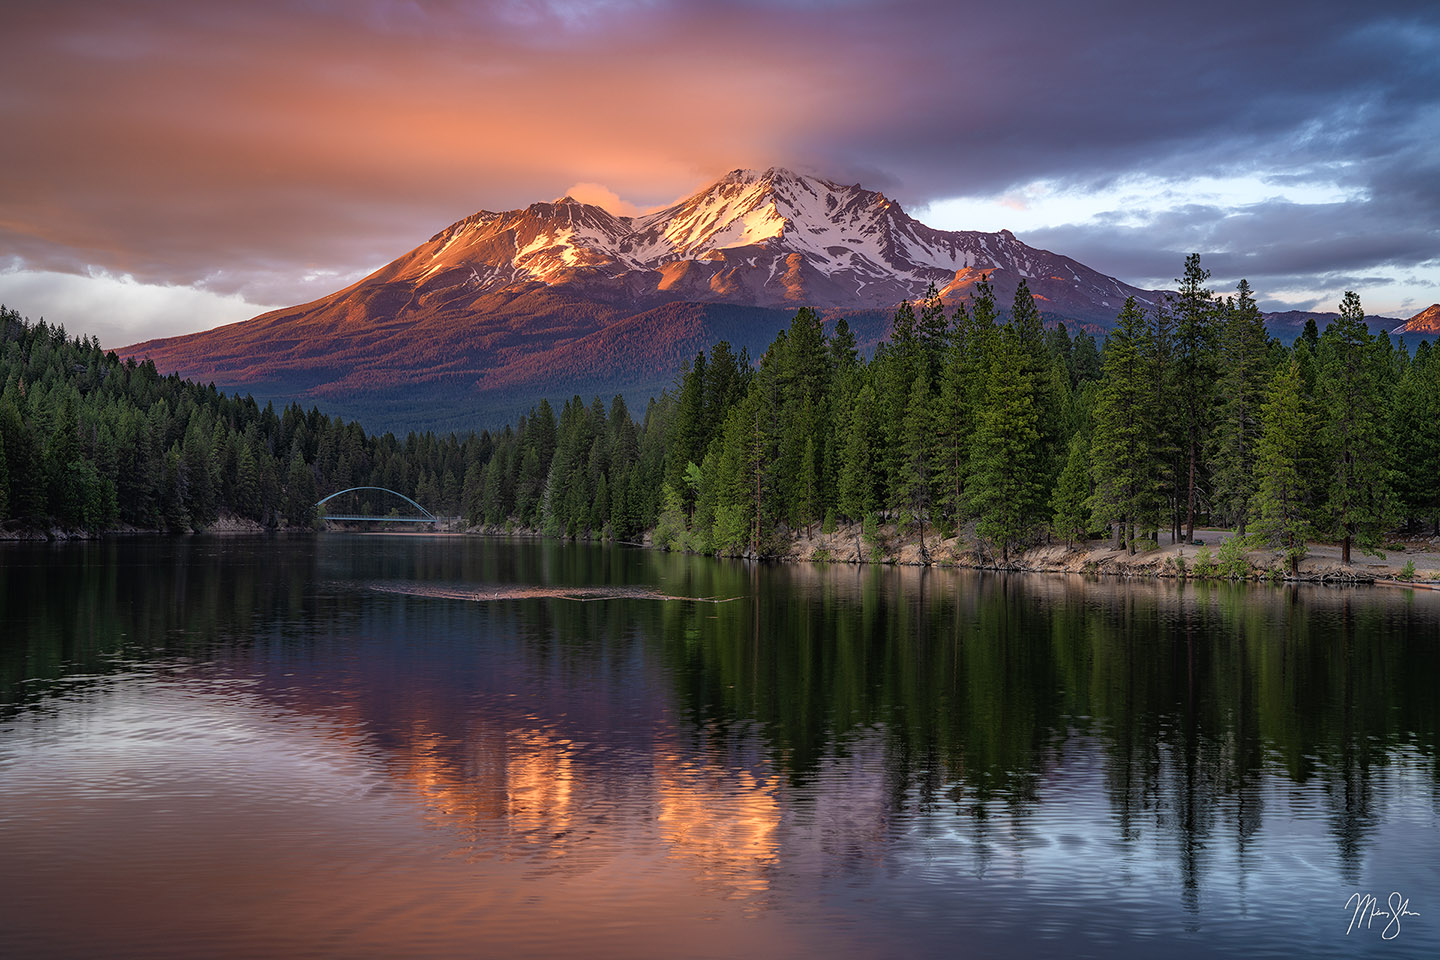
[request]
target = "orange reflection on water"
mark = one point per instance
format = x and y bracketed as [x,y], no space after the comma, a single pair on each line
[722,823]
[505,787]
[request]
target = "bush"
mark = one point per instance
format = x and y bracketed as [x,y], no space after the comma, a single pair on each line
[670,527]
[870,533]
[829,525]
[1407,572]
[1232,564]
[821,555]
[1205,566]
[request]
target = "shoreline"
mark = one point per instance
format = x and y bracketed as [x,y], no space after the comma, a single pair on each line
[847,544]
[887,546]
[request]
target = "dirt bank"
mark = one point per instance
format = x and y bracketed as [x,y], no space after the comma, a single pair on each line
[849,545]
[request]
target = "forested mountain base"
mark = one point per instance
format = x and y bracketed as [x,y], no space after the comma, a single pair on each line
[90,443]
[972,422]
[1190,415]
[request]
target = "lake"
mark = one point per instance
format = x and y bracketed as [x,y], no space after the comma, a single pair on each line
[393,746]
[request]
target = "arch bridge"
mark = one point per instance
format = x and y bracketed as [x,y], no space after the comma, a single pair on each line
[427,518]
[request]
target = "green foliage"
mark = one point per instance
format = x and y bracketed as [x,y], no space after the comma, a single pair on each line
[1283,504]
[1407,572]
[1205,566]
[1244,364]
[1015,426]
[1124,452]
[870,536]
[1232,563]
[670,527]
[1071,517]
[1352,386]
[1196,333]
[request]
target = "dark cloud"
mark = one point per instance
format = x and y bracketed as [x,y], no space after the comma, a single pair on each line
[234,146]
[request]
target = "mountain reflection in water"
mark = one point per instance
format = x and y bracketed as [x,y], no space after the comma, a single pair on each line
[324,745]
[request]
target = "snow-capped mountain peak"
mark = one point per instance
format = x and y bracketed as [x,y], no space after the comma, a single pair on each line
[763,238]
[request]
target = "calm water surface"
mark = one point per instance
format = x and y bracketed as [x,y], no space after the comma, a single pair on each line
[351,746]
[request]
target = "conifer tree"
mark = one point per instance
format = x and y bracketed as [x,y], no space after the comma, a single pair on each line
[1195,337]
[687,435]
[1070,502]
[4,482]
[1282,503]
[918,463]
[299,489]
[1123,451]
[1084,358]
[859,467]
[932,329]
[1244,376]
[1359,503]
[1415,429]
[1006,492]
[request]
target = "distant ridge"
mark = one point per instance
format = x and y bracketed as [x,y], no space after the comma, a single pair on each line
[1288,324]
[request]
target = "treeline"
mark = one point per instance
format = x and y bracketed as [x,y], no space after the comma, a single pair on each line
[1190,414]
[90,442]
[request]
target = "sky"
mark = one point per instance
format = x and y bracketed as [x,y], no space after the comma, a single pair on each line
[170,166]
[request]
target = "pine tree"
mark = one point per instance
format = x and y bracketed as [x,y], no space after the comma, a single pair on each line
[1070,501]
[1123,451]
[859,466]
[4,482]
[1244,376]
[933,331]
[1415,429]
[918,463]
[1281,503]
[1006,492]
[300,494]
[688,435]
[1359,503]
[1195,336]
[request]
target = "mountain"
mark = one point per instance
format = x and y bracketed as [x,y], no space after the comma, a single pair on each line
[1426,321]
[499,309]
[1286,325]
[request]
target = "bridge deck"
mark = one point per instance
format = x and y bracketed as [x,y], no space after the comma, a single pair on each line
[386,519]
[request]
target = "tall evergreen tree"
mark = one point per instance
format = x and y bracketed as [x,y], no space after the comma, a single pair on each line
[1070,502]
[1282,503]
[1006,492]
[919,460]
[859,463]
[1123,451]
[1359,503]
[1244,377]
[1195,340]
[1415,433]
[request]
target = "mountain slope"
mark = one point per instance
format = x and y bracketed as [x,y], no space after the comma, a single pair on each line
[1426,321]
[562,296]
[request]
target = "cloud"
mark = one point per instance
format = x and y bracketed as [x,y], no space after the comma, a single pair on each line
[118,310]
[238,149]
[603,197]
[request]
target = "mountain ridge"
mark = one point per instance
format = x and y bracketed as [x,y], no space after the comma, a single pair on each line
[1426,321]
[500,308]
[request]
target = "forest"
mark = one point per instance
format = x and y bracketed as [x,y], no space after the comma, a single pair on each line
[1188,413]
[90,443]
